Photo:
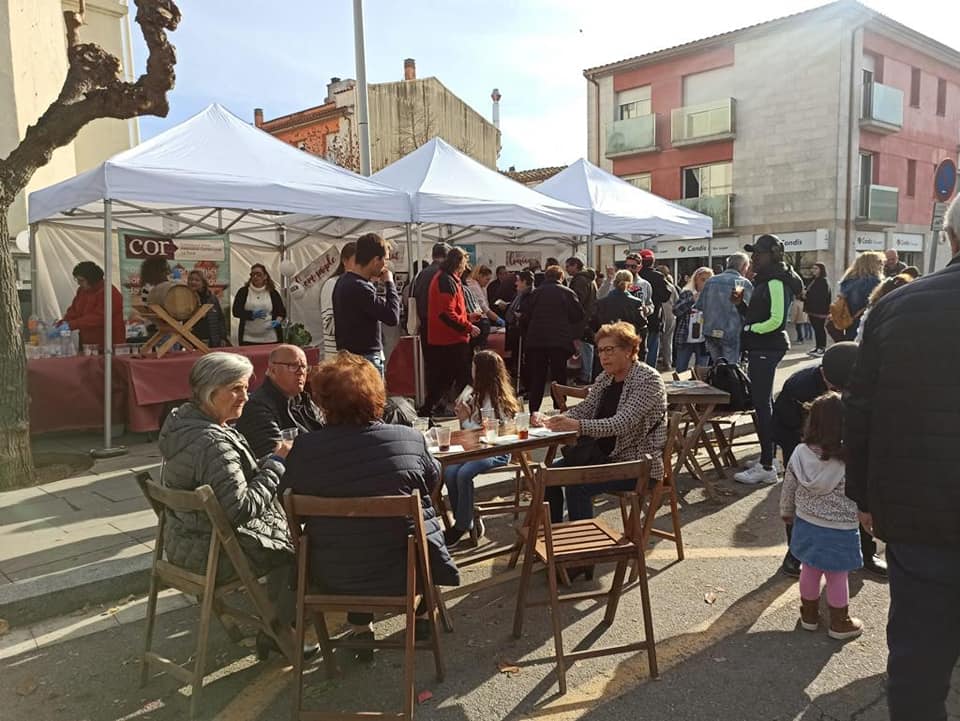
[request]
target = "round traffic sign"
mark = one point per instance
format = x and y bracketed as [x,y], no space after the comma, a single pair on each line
[945,179]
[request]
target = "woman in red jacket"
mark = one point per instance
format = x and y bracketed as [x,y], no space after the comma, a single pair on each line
[86,313]
[449,330]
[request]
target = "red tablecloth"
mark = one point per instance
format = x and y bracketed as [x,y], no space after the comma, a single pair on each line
[401,368]
[67,393]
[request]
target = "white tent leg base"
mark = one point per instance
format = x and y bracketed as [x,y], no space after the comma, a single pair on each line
[114,452]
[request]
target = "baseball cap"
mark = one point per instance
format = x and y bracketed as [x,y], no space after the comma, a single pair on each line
[838,363]
[766,243]
[646,254]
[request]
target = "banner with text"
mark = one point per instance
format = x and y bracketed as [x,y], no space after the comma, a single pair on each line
[210,254]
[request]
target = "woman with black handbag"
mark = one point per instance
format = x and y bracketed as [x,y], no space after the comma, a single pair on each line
[621,419]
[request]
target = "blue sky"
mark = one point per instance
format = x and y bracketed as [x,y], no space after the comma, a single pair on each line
[280,55]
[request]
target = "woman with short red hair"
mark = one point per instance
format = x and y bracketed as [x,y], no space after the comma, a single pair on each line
[357,454]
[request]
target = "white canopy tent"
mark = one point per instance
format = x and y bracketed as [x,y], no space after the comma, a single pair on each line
[213,173]
[449,188]
[621,212]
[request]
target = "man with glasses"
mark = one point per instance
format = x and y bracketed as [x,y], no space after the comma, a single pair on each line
[280,403]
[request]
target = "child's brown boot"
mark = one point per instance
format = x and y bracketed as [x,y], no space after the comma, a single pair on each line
[842,626]
[809,614]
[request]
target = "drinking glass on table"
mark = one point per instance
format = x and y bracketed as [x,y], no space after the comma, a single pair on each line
[523,426]
[490,428]
[443,439]
[488,414]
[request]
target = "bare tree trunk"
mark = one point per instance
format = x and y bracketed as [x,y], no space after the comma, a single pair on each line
[92,89]
[16,461]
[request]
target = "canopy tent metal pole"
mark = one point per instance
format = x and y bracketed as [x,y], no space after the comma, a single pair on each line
[284,281]
[710,252]
[108,450]
[411,269]
[419,242]
[33,268]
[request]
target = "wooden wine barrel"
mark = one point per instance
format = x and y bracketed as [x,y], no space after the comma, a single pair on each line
[176,298]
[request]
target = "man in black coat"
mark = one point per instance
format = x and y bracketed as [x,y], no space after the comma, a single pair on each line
[902,438]
[279,403]
[549,328]
[661,294]
[789,416]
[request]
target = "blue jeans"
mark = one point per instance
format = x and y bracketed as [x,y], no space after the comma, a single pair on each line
[586,362]
[762,368]
[459,483]
[653,348]
[729,350]
[691,351]
[923,629]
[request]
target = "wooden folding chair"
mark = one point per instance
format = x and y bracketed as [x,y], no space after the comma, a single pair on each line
[302,508]
[580,543]
[724,426]
[205,587]
[559,393]
[654,498]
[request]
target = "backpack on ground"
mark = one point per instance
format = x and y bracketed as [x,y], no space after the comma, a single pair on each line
[729,377]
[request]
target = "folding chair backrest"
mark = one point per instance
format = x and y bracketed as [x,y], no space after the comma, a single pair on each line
[589,475]
[560,393]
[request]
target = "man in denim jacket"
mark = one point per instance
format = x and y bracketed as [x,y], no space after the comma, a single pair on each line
[722,323]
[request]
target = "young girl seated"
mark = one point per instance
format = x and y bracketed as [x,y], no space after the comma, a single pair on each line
[825,535]
[491,391]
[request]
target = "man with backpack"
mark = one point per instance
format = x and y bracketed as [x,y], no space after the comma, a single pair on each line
[789,415]
[765,340]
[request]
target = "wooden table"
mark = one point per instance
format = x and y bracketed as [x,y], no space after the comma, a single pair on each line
[475,450]
[700,400]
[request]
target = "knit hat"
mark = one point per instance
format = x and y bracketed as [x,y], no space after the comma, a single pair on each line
[838,363]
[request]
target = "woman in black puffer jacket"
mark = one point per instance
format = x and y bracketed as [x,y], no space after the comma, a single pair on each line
[356,454]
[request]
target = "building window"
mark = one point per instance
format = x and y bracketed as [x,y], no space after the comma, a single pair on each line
[641,180]
[911,178]
[915,88]
[941,97]
[708,180]
[633,103]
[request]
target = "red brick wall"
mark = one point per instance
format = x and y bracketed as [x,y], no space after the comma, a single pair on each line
[666,93]
[925,136]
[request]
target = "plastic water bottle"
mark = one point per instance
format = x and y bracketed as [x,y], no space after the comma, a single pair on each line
[66,344]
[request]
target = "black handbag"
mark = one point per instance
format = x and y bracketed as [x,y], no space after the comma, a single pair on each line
[587,451]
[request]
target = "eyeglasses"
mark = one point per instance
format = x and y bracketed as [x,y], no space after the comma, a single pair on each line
[628,266]
[256,272]
[293,367]
[604,349]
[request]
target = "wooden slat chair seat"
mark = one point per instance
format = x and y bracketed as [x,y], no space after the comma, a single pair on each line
[205,587]
[579,543]
[419,586]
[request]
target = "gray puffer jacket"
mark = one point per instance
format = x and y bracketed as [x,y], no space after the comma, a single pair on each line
[198,451]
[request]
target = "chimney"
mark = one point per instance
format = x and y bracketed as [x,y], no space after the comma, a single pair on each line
[495,97]
[258,117]
[409,69]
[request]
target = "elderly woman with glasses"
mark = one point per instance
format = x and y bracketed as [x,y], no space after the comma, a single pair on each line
[200,448]
[621,419]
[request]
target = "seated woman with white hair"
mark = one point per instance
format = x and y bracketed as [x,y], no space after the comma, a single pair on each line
[199,448]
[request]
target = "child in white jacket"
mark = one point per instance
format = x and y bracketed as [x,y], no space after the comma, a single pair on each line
[826,535]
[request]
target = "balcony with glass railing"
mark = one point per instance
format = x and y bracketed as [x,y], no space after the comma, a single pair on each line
[632,135]
[882,109]
[878,205]
[718,207]
[703,123]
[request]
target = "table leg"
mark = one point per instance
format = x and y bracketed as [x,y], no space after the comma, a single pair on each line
[707,443]
[690,442]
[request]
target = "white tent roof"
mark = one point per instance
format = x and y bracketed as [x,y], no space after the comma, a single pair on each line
[216,160]
[621,209]
[449,187]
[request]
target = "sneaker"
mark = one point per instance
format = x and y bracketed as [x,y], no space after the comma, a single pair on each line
[756,462]
[757,474]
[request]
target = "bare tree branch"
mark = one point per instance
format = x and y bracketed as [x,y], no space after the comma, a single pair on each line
[93,89]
